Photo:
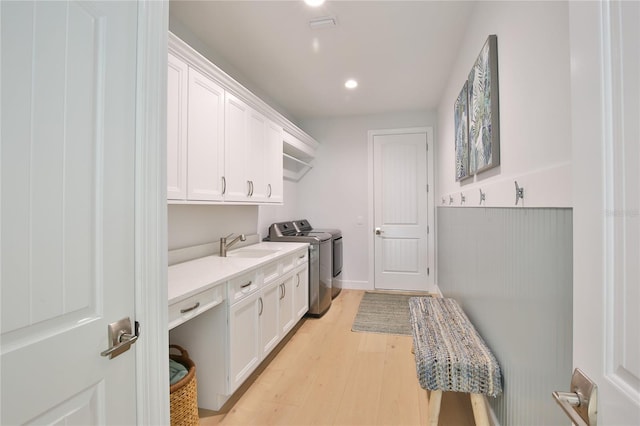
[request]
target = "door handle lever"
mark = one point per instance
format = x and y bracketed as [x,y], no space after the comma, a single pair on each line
[379,231]
[581,404]
[121,337]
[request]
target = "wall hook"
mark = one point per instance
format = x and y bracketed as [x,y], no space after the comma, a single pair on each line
[519,193]
[462,198]
[483,196]
[450,200]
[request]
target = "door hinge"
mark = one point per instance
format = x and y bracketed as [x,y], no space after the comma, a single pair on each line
[428,271]
[427,229]
[427,187]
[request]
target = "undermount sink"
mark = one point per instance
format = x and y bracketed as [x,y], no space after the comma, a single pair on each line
[251,253]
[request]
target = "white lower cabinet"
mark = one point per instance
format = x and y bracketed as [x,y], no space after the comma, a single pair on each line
[301,291]
[228,342]
[269,307]
[244,332]
[285,302]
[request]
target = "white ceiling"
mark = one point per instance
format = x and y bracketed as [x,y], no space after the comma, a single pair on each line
[401,52]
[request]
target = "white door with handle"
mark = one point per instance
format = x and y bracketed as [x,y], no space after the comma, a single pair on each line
[605,57]
[67,216]
[402,259]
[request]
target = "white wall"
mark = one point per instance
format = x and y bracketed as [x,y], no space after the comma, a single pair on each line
[508,266]
[334,194]
[534,84]
[190,225]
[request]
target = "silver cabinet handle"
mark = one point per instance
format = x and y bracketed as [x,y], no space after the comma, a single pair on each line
[251,188]
[248,188]
[261,306]
[269,190]
[224,185]
[196,306]
[298,283]
[246,285]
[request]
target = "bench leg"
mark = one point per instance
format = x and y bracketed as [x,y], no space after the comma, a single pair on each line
[479,409]
[435,397]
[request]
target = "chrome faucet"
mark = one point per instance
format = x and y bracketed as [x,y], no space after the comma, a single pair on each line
[224,246]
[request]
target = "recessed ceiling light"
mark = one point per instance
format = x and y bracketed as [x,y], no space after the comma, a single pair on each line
[351,84]
[314,3]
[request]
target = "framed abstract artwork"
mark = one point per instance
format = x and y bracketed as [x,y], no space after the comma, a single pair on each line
[483,110]
[462,134]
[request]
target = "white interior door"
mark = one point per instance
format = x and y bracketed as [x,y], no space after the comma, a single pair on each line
[400,211]
[67,214]
[605,57]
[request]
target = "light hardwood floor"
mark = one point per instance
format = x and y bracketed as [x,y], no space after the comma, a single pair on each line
[325,374]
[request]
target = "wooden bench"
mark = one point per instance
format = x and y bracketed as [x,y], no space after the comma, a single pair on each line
[451,356]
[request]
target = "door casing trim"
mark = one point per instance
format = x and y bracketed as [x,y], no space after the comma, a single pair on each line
[152,350]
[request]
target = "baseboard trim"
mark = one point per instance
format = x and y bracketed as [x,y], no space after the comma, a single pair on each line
[356,285]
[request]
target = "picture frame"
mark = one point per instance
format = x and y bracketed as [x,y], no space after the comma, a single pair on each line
[461,124]
[484,110]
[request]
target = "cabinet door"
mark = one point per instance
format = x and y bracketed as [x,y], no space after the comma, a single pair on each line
[273,163]
[301,292]
[177,86]
[236,122]
[269,325]
[286,304]
[244,339]
[205,163]
[256,156]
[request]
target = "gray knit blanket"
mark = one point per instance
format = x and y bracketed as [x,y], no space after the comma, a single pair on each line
[450,354]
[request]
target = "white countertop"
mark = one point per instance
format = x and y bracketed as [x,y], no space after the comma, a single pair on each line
[192,277]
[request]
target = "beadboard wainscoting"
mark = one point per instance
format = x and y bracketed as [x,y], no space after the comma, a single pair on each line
[511,271]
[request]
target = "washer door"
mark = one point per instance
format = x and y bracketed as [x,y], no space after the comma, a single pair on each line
[337,256]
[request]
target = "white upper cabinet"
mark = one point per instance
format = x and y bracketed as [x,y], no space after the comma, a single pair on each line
[205,164]
[195,134]
[224,144]
[265,159]
[236,120]
[253,147]
[177,81]
[256,156]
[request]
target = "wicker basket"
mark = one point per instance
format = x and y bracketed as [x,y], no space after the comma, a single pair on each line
[184,394]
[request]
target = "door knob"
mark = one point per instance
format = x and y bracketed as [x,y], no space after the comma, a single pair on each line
[379,231]
[580,405]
